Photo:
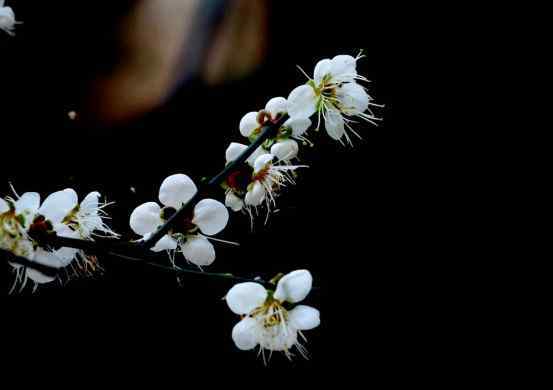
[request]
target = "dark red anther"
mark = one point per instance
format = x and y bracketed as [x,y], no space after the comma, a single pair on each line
[241,178]
[263,118]
[41,229]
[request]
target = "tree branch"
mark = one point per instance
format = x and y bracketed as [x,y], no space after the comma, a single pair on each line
[134,251]
[267,132]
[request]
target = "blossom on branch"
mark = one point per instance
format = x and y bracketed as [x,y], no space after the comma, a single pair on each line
[26,225]
[335,95]
[256,182]
[292,130]
[267,320]
[190,235]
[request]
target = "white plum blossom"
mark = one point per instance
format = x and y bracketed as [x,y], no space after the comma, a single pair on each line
[252,122]
[268,177]
[257,181]
[88,217]
[266,322]
[333,94]
[62,211]
[191,235]
[25,223]
[16,216]
[237,182]
[41,220]
[268,168]
[7,19]
[87,221]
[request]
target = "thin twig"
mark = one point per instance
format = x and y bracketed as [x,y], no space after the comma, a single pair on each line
[50,271]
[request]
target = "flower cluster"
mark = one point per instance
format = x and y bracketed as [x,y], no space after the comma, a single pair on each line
[269,168]
[334,94]
[26,225]
[267,320]
[270,319]
[7,19]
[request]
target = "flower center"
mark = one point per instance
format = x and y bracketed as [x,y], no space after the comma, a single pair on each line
[240,179]
[9,223]
[71,217]
[272,312]
[263,118]
[263,173]
[184,225]
[40,229]
[12,233]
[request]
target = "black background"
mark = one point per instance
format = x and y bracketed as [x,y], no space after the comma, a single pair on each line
[350,220]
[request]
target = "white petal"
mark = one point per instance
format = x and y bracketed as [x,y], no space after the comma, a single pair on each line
[244,298]
[255,155]
[298,126]
[234,151]
[354,98]
[210,216]
[234,202]
[334,124]
[167,243]
[66,255]
[146,218]
[95,223]
[343,68]
[321,70]
[278,338]
[256,195]
[177,190]
[39,277]
[262,161]
[249,124]
[244,334]
[57,259]
[63,230]
[29,201]
[304,317]
[199,251]
[9,15]
[294,286]
[61,257]
[4,206]
[59,204]
[90,202]
[285,150]
[302,102]
[276,106]
[46,258]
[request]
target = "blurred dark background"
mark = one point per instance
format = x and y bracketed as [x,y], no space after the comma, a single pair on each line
[346,220]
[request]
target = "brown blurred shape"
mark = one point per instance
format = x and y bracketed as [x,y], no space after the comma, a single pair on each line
[240,43]
[152,41]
